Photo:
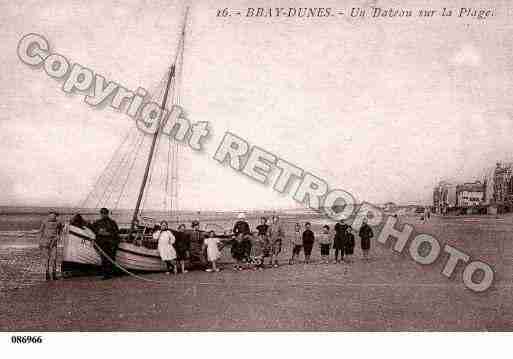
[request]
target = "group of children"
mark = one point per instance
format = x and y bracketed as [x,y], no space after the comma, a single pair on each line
[250,251]
[342,243]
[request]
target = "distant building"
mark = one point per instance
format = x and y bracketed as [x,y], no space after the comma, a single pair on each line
[444,197]
[470,194]
[502,184]
[493,195]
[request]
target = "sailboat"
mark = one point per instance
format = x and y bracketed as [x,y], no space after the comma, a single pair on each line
[136,251]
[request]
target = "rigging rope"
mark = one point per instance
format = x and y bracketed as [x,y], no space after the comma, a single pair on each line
[167,177]
[121,169]
[126,155]
[155,155]
[108,176]
[179,80]
[178,61]
[115,263]
[113,176]
[134,160]
[150,178]
[103,173]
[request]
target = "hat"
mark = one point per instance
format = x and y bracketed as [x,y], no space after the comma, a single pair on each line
[195,223]
[241,216]
[104,211]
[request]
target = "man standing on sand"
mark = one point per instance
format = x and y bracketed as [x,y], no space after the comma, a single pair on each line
[107,239]
[241,229]
[365,236]
[49,233]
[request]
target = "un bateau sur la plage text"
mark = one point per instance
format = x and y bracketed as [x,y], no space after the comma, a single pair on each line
[356,12]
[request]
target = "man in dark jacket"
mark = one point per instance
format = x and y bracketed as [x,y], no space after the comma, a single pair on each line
[365,235]
[107,239]
[241,229]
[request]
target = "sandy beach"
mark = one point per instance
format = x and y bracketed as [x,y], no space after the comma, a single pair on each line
[390,292]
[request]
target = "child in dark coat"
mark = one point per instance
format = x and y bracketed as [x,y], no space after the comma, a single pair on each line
[308,241]
[365,236]
[349,244]
[182,246]
[339,240]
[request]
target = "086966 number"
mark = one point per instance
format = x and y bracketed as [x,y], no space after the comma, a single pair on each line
[26,339]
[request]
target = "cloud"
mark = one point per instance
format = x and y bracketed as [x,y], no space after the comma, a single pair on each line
[467,55]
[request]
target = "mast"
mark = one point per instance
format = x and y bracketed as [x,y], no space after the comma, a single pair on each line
[151,153]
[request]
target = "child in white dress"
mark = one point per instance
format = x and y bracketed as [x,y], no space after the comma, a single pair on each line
[213,253]
[167,252]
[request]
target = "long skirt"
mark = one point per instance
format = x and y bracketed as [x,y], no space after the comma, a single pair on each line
[276,247]
[338,242]
[307,248]
[166,250]
[213,253]
[366,244]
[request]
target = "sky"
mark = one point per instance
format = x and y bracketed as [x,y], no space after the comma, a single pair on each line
[382,108]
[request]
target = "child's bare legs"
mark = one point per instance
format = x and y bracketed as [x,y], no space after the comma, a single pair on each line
[182,266]
[169,264]
[337,251]
[293,258]
[274,260]
[325,250]
[366,254]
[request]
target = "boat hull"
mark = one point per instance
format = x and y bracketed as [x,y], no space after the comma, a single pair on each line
[80,254]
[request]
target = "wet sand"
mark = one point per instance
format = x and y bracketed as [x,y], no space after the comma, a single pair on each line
[20,267]
[391,292]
